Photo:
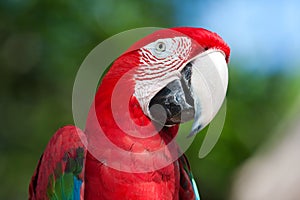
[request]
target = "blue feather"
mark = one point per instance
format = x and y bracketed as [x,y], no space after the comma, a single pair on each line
[76,190]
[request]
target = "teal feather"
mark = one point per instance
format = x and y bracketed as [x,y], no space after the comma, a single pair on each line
[195,188]
[187,169]
[65,185]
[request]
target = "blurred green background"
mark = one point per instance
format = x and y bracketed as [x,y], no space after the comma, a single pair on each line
[43,43]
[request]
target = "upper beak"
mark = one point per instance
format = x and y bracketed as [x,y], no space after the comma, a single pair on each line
[198,94]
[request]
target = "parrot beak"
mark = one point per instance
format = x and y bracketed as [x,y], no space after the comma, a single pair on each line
[198,94]
[209,83]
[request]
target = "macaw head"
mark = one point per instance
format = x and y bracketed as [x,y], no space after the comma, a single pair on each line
[172,76]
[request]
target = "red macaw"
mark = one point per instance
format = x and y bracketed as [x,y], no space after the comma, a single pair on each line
[159,70]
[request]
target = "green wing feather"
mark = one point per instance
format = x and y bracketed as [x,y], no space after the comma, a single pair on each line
[59,175]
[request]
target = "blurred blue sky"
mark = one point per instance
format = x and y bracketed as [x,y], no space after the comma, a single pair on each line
[266,34]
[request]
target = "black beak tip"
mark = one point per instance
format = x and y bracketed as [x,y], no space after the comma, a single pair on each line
[194,131]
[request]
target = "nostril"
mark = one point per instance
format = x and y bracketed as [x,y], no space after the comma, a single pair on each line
[187,73]
[189,64]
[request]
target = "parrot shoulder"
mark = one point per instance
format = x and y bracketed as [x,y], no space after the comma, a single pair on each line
[60,170]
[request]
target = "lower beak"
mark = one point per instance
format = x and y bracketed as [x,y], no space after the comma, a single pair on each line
[199,93]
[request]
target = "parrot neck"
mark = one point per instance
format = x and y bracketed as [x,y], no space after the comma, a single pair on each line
[117,113]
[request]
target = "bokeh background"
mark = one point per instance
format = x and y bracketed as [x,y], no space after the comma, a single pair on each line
[43,43]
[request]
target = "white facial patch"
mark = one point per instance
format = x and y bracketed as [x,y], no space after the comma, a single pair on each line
[161,62]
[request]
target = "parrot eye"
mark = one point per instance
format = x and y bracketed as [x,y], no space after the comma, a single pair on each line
[160,47]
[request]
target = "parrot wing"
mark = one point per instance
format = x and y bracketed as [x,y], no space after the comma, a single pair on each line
[60,171]
[188,188]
